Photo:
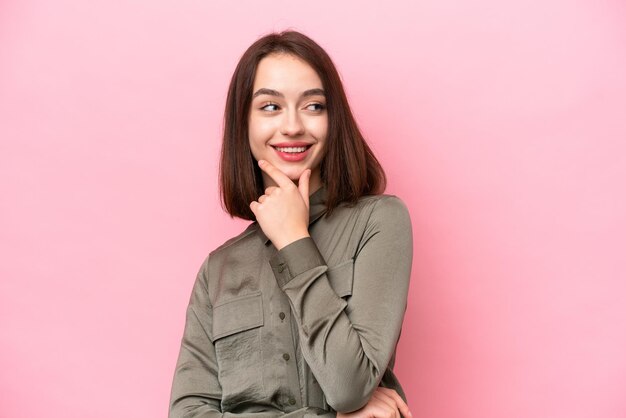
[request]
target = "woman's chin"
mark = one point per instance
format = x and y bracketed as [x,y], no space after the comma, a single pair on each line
[293,173]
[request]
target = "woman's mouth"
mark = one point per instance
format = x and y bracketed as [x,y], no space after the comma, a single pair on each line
[291,149]
[292,154]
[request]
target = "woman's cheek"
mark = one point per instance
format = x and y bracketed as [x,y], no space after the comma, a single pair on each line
[267,128]
[318,128]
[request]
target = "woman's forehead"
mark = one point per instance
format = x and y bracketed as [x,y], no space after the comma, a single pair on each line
[286,74]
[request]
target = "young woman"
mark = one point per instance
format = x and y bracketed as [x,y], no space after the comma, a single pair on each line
[300,314]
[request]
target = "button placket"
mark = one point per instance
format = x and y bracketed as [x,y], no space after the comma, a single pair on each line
[284,331]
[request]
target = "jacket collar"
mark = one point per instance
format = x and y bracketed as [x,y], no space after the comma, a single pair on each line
[317,208]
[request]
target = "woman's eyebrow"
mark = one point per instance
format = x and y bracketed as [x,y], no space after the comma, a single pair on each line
[314,92]
[271,92]
[267,91]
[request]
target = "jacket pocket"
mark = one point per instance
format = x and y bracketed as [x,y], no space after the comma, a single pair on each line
[341,277]
[237,338]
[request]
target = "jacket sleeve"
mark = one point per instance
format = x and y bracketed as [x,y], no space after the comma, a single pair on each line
[348,344]
[196,391]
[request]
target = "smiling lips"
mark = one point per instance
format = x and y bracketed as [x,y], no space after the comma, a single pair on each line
[292,151]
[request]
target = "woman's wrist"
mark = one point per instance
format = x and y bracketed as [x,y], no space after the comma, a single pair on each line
[285,241]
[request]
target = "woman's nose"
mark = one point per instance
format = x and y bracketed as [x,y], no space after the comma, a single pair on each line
[292,124]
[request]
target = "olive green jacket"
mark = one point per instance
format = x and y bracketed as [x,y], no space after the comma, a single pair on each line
[304,331]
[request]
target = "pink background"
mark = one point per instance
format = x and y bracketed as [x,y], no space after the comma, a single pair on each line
[502,126]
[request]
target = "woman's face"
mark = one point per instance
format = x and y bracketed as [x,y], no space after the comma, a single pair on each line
[288,121]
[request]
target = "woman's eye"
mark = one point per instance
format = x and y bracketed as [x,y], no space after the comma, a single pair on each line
[316,107]
[270,107]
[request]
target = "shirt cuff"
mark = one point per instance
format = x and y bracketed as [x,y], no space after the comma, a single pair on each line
[294,259]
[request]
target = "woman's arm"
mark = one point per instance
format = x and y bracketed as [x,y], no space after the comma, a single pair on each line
[196,391]
[347,344]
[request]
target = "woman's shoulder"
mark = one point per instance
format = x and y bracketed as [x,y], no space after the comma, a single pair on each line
[382,205]
[384,197]
[373,212]
[242,238]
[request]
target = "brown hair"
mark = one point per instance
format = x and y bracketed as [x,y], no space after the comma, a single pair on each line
[349,169]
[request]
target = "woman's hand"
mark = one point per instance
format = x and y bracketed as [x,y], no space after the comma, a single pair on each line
[283,211]
[384,403]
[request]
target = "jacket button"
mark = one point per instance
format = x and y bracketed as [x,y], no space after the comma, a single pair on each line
[286,357]
[292,400]
[281,267]
[281,315]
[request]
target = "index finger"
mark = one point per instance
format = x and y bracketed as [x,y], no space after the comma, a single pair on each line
[278,176]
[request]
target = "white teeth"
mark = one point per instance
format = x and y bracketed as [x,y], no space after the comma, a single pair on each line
[291,149]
